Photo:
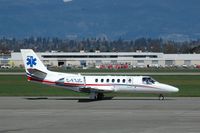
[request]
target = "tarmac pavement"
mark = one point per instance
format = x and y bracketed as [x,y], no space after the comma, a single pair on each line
[119,115]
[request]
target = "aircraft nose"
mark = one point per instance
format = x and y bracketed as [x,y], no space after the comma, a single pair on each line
[171,88]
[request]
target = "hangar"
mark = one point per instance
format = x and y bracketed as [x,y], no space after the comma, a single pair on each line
[97,58]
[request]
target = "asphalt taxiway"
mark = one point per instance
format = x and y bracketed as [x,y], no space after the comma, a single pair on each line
[119,115]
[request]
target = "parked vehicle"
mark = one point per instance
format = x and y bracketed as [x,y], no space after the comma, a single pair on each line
[6,66]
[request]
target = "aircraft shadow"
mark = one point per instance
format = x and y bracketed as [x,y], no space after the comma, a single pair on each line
[142,99]
[86,100]
[81,100]
[89,100]
[36,98]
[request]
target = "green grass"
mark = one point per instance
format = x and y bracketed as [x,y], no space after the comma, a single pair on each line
[18,86]
[14,69]
[188,85]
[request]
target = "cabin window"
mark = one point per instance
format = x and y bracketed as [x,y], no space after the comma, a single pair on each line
[113,80]
[123,80]
[107,80]
[118,80]
[102,80]
[129,80]
[96,80]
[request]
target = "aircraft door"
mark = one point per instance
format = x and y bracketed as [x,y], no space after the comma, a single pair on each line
[84,80]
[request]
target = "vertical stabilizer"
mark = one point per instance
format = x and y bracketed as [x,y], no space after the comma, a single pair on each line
[32,62]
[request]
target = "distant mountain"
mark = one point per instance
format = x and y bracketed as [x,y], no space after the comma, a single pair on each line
[127,19]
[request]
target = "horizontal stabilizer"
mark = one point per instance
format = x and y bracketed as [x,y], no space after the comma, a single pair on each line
[36,73]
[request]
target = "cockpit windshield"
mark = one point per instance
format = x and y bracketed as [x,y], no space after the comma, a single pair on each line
[148,80]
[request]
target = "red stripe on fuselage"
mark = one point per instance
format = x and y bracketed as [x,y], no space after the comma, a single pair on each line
[79,85]
[69,84]
[39,80]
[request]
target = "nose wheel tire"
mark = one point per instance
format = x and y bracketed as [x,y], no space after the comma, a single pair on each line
[161,97]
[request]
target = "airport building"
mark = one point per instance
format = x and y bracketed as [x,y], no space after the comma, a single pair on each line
[98,59]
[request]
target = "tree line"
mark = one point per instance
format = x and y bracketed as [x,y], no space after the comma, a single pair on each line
[42,44]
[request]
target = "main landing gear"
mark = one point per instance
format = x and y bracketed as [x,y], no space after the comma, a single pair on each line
[96,96]
[161,97]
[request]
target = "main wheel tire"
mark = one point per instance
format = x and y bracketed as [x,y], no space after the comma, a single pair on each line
[100,96]
[161,97]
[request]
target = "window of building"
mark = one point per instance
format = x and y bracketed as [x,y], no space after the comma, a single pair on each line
[98,62]
[187,62]
[145,56]
[83,63]
[154,61]
[169,62]
[61,63]
[140,61]
[113,61]
[79,56]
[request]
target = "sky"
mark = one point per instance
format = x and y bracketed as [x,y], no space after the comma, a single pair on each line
[113,19]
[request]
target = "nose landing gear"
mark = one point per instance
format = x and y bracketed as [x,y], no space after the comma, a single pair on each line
[161,97]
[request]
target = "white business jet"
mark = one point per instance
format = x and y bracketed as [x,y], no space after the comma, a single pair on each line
[96,86]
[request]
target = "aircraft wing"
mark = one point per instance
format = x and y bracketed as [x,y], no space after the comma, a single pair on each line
[95,89]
